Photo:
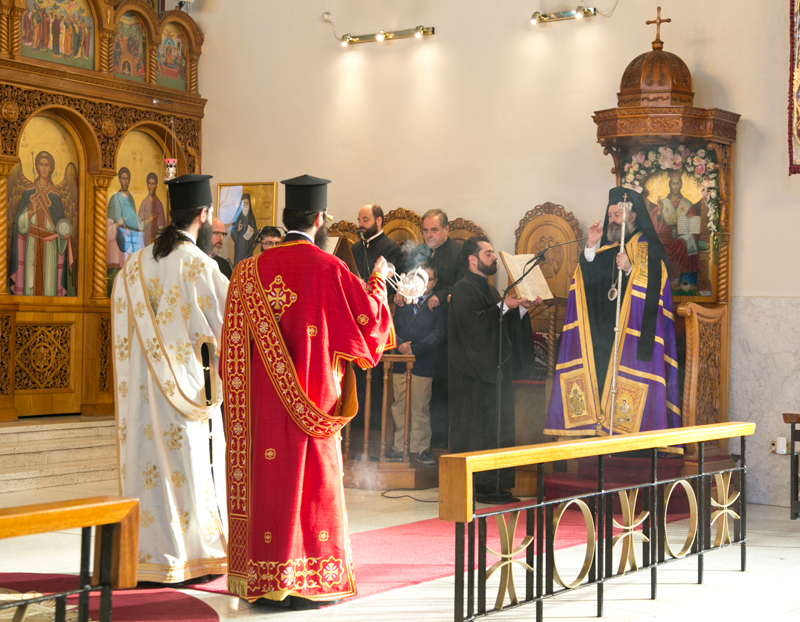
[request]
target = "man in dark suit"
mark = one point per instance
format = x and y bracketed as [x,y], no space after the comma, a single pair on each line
[442,253]
[420,331]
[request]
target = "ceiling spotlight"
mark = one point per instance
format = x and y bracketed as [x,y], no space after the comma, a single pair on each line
[579,12]
[418,32]
[345,40]
[380,36]
[535,18]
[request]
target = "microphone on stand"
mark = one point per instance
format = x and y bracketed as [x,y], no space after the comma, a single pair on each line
[540,255]
[498,496]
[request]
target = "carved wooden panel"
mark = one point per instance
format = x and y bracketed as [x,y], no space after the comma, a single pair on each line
[109,122]
[542,227]
[708,373]
[462,229]
[43,357]
[5,362]
[105,359]
[705,388]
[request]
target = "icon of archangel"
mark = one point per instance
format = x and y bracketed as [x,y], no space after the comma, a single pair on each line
[44,235]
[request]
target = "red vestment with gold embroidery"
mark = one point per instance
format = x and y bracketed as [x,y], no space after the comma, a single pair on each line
[295,317]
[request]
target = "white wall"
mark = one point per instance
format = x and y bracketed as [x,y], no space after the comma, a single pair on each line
[492,115]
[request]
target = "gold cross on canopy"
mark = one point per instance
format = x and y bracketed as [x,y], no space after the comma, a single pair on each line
[658,21]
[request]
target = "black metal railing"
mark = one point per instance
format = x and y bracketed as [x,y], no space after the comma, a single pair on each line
[116,524]
[716,504]
[84,588]
[793,419]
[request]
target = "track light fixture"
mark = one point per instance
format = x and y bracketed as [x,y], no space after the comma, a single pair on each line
[381,35]
[578,13]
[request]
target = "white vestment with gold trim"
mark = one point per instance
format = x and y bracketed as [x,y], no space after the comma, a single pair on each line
[162,313]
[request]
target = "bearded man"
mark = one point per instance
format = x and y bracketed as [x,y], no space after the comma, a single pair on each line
[374,243]
[295,317]
[473,342]
[647,383]
[167,306]
[218,235]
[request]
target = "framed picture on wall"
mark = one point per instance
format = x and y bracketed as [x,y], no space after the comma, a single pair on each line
[244,210]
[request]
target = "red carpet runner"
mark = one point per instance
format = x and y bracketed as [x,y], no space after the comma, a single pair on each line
[140,605]
[394,557]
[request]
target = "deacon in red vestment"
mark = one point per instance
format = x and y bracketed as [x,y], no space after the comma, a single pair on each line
[295,317]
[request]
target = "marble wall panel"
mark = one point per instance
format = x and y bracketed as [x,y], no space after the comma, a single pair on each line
[765,383]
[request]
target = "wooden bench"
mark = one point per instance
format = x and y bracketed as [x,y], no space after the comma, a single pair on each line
[115,551]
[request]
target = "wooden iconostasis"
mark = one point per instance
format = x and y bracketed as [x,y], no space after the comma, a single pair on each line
[94,95]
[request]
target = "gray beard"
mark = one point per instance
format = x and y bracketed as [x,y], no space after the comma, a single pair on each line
[614,234]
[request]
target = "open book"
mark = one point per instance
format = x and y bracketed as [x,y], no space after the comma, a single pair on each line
[689,225]
[533,285]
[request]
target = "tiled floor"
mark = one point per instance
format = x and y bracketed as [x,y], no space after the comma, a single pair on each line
[767,591]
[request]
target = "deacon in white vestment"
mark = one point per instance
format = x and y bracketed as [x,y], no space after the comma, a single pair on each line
[167,302]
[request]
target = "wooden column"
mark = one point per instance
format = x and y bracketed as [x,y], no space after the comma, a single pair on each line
[106,50]
[5,29]
[191,75]
[152,63]
[6,166]
[100,182]
[387,375]
[367,415]
[8,304]
[8,331]
[14,29]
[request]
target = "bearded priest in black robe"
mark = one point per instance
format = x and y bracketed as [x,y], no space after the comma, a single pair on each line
[473,342]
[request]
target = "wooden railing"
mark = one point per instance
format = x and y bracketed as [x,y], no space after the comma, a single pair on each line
[388,361]
[115,552]
[542,516]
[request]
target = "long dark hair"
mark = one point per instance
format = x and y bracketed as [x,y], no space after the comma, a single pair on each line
[170,237]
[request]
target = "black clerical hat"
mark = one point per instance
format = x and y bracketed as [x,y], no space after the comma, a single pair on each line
[189,192]
[306,194]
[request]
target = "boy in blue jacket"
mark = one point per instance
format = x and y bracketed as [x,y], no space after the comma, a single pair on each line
[420,331]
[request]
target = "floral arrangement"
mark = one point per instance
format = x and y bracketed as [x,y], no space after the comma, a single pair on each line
[702,164]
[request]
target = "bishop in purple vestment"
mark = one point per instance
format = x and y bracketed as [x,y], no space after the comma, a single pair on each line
[648,395]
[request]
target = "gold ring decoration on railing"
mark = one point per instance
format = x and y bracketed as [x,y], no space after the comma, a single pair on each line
[627,501]
[692,534]
[506,554]
[590,533]
[724,502]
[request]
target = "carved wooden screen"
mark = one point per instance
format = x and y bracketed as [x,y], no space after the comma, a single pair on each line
[65,112]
